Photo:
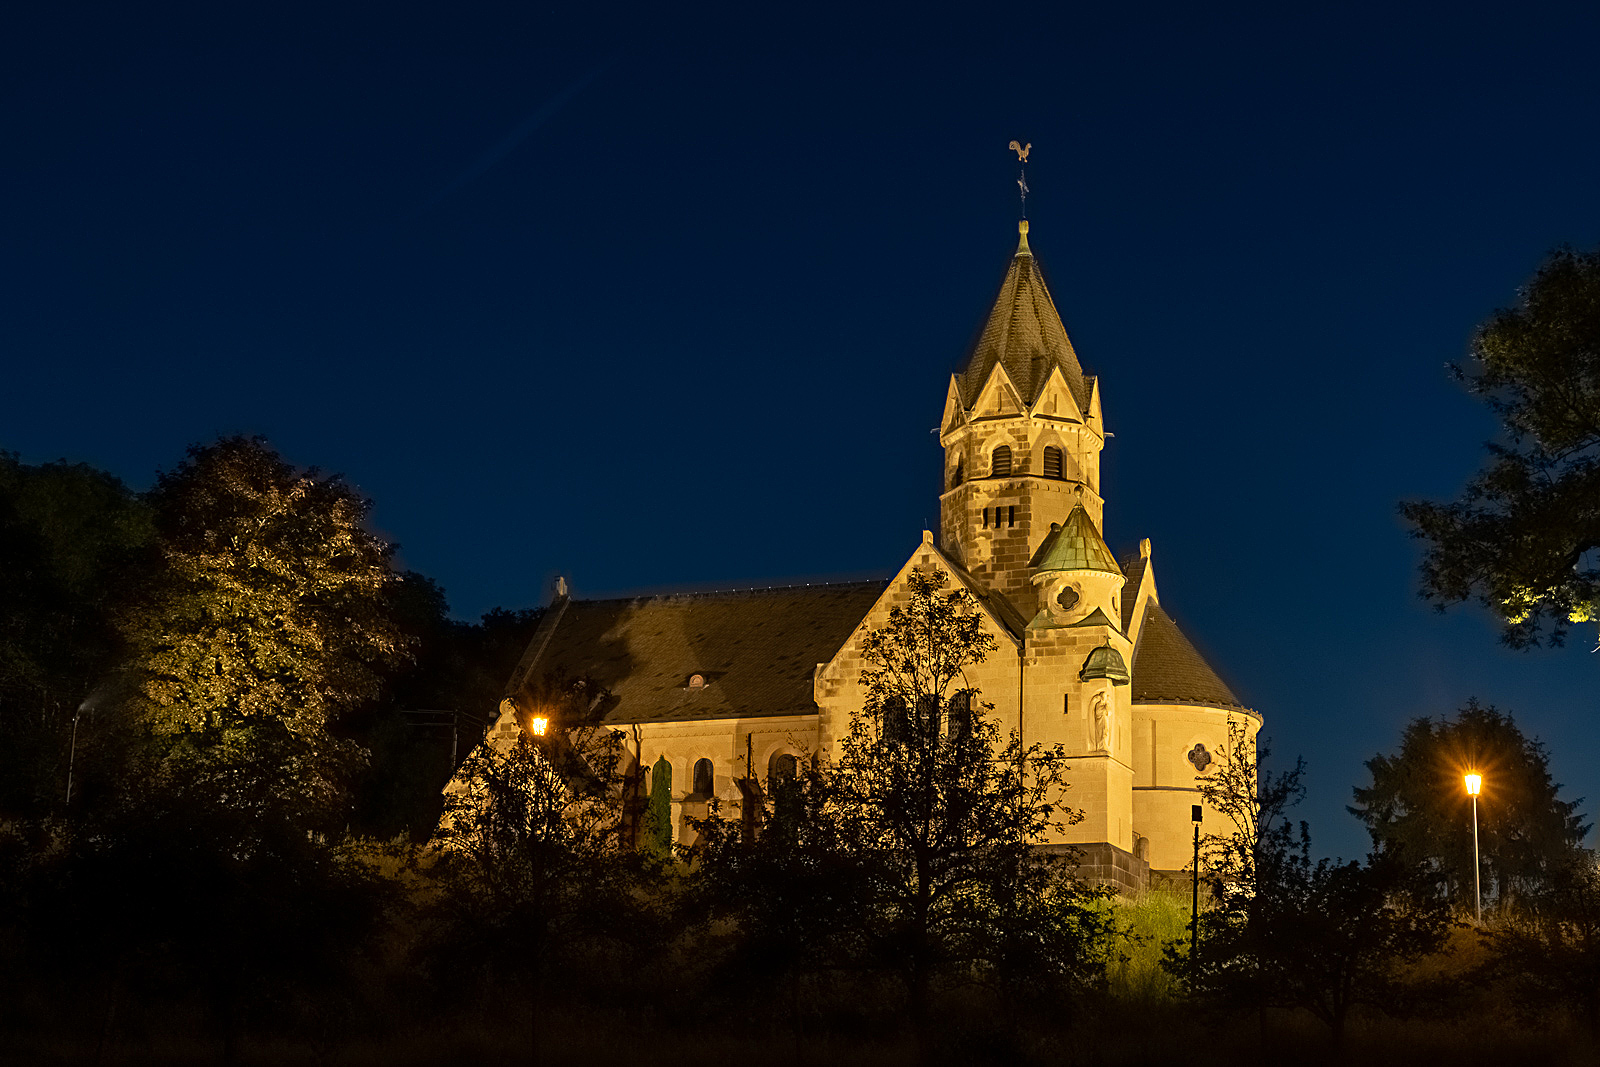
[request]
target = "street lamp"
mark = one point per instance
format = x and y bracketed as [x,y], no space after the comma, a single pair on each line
[1194,906]
[538,725]
[1475,783]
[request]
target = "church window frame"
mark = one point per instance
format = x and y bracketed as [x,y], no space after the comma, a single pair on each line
[1000,462]
[958,715]
[705,777]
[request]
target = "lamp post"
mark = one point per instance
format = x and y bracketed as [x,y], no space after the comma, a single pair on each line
[1475,783]
[1194,904]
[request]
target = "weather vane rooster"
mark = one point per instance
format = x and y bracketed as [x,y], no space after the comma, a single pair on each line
[1022,179]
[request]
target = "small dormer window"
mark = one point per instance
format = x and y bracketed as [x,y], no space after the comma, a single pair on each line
[697,681]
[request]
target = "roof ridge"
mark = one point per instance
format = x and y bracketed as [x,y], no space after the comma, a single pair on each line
[735,591]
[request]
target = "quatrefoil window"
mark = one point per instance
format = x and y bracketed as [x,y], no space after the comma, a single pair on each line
[1200,758]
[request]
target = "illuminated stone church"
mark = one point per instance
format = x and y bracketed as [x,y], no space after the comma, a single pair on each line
[721,691]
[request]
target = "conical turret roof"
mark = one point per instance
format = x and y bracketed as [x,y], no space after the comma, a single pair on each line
[1075,545]
[1024,334]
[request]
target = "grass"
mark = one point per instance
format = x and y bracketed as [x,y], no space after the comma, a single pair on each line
[1152,919]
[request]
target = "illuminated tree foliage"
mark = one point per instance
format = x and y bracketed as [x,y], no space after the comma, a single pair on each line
[271,600]
[1417,805]
[1522,539]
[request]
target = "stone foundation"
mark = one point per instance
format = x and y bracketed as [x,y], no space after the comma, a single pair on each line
[1102,863]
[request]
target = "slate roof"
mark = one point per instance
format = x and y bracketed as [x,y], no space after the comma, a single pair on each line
[757,649]
[1167,669]
[1075,545]
[1024,333]
[1133,568]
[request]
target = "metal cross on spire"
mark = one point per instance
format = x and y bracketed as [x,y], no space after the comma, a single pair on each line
[1022,179]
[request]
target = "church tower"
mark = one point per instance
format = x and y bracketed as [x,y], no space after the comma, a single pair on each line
[1022,437]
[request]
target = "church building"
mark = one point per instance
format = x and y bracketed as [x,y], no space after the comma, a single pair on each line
[721,691]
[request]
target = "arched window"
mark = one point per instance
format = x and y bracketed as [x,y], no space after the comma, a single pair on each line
[704,777]
[896,726]
[929,716]
[958,717]
[784,769]
[955,475]
[1000,463]
[1052,461]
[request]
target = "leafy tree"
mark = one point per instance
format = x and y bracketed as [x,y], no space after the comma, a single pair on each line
[1417,805]
[1284,932]
[1549,953]
[70,539]
[533,868]
[199,878]
[949,818]
[1522,538]
[458,668]
[272,601]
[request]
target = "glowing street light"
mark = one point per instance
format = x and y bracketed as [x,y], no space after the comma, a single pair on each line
[1474,784]
[538,725]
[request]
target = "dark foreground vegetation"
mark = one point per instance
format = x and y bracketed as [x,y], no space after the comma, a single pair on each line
[227,721]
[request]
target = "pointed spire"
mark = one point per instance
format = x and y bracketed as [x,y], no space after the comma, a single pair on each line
[1075,545]
[1025,335]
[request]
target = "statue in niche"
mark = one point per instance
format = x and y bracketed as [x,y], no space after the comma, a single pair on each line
[1104,722]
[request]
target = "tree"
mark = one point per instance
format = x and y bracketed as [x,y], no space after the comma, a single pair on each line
[1417,805]
[272,601]
[71,537]
[949,818]
[1522,538]
[1284,932]
[1550,952]
[532,863]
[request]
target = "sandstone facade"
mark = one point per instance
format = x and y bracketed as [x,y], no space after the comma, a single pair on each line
[734,683]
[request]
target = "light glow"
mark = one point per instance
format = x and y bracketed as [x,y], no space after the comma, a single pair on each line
[1474,783]
[538,725]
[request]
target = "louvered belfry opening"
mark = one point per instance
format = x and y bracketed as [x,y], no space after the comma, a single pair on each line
[1052,462]
[1000,463]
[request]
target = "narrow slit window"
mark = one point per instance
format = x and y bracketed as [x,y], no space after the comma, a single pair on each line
[1011,515]
[985,518]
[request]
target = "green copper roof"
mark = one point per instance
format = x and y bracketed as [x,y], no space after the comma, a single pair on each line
[1105,662]
[1075,546]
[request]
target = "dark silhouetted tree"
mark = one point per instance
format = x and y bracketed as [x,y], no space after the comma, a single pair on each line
[533,867]
[916,853]
[1285,932]
[1522,538]
[1417,805]
[71,538]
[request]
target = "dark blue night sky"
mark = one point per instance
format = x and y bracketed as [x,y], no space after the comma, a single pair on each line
[655,299]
